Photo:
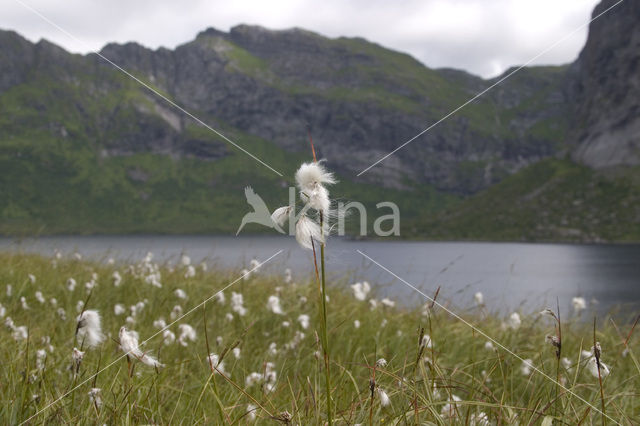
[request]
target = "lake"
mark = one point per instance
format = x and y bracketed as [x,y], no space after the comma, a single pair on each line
[510,275]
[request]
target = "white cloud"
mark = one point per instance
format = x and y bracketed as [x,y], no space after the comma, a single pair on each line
[481,36]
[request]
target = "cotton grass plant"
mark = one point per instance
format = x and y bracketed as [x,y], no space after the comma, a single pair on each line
[312,227]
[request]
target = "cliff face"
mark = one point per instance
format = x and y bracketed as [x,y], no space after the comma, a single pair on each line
[606,89]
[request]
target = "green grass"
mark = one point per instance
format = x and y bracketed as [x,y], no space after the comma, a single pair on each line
[486,381]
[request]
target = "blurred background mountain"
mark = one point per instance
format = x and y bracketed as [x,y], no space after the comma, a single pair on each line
[552,153]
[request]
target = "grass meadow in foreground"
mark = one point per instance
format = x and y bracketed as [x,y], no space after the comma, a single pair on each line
[260,359]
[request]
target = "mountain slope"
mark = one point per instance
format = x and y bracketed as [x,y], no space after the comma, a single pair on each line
[85,149]
[361,101]
[81,140]
[552,200]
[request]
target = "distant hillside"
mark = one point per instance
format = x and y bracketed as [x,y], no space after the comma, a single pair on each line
[85,149]
[552,200]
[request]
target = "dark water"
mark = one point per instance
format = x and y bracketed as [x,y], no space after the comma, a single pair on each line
[510,275]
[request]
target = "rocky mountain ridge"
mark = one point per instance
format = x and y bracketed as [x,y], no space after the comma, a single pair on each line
[361,101]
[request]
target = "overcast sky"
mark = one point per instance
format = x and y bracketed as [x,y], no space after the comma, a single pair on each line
[484,37]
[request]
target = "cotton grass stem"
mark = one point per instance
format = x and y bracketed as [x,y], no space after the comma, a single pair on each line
[325,337]
[625,341]
[597,357]
[558,355]
[372,384]
[313,150]
[211,377]
[420,351]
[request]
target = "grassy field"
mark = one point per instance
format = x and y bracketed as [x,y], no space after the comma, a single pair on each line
[436,368]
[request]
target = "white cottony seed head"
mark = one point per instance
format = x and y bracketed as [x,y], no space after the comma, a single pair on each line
[71,284]
[308,230]
[273,303]
[119,309]
[479,298]
[41,356]
[579,304]
[384,398]
[303,319]
[514,321]
[361,290]
[190,272]
[77,355]
[526,367]
[160,323]
[130,346]
[388,302]
[216,365]
[281,215]
[90,328]
[186,333]
[95,396]
[426,341]
[251,412]
[310,175]
[20,333]
[237,303]
[168,337]
[592,366]
[117,279]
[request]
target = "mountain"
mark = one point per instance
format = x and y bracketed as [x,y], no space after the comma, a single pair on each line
[84,148]
[361,101]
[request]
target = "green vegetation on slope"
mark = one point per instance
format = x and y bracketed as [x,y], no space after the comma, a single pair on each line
[275,366]
[155,193]
[548,201]
[61,184]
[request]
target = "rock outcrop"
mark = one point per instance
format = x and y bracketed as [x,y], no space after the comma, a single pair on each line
[605,89]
